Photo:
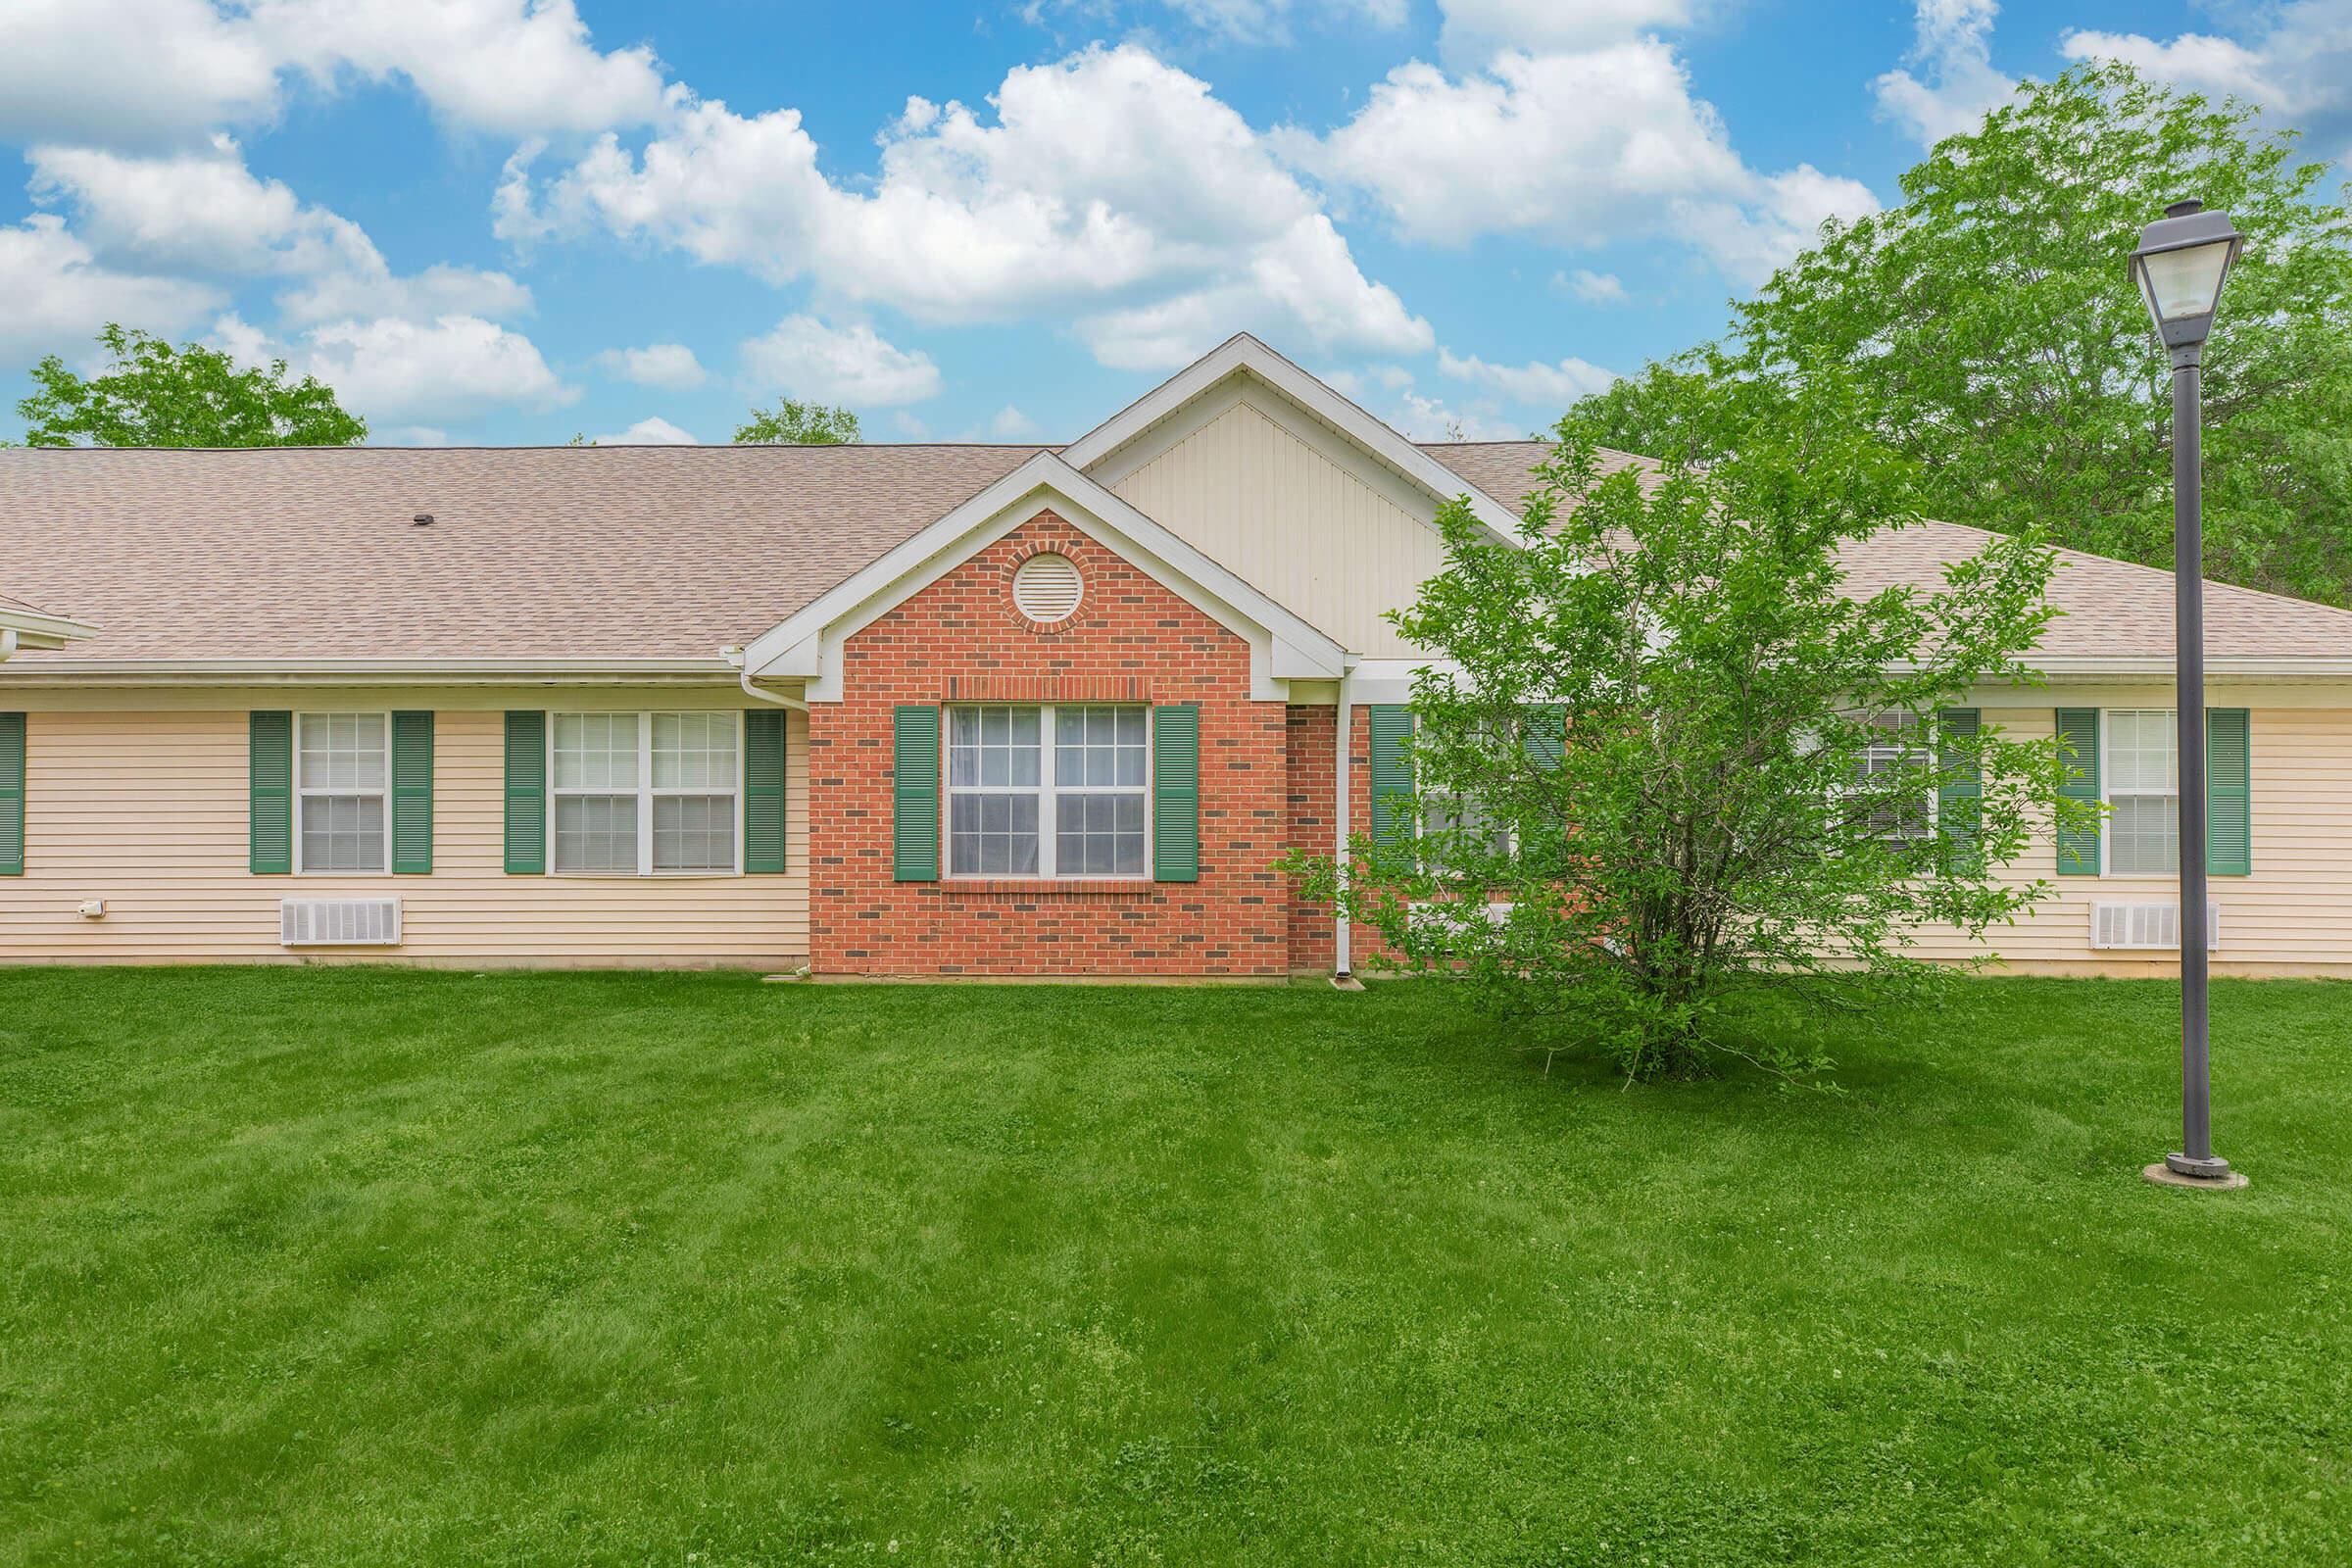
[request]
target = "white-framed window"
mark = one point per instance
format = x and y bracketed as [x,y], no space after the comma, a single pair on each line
[342,774]
[644,794]
[1442,811]
[2141,775]
[1055,791]
[1899,741]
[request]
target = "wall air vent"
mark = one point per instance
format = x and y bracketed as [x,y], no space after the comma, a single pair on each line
[2150,924]
[1047,587]
[338,922]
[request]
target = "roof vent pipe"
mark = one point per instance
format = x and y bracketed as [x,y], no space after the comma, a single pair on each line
[423,519]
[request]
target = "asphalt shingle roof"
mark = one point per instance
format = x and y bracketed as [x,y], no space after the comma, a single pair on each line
[586,552]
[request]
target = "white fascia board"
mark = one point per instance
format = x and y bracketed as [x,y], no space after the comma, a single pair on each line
[1388,680]
[809,643]
[1246,353]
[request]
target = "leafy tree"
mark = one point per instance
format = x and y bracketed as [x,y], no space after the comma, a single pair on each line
[1755,782]
[803,425]
[156,395]
[2008,353]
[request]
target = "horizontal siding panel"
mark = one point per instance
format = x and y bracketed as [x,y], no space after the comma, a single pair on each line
[146,810]
[2294,911]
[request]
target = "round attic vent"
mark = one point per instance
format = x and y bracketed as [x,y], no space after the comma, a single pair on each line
[1047,587]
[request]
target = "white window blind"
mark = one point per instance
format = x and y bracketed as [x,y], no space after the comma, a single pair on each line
[341,766]
[1012,813]
[2143,793]
[644,794]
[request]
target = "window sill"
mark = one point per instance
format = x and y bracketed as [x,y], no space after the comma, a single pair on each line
[1041,887]
[644,876]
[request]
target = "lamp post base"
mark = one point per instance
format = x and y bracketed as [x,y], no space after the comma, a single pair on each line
[2204,1175]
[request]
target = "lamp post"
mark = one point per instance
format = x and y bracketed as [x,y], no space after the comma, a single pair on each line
[2183,260]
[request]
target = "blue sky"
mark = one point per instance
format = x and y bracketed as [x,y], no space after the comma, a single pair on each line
[507,221]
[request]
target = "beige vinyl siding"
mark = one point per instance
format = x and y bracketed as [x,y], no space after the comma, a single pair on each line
[145,808]
[2293,917]
[1292,523]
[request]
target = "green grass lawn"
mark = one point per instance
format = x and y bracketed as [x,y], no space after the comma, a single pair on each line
[351,1267]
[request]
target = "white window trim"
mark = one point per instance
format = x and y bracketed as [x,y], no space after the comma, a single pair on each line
[302,794]
[2106,800]
[1426,798]
[1048,797]
[1931,735]
[646,791]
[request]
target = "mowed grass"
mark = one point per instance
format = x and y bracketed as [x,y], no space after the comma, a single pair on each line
[366,1267]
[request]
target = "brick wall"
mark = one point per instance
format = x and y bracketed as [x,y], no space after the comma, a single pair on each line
[961,639]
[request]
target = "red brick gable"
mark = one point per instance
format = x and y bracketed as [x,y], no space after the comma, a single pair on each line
[1131,640]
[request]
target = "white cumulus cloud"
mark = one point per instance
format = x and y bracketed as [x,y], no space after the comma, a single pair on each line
[1474,29]
[397,369]
[1249,22]
[518,66]
[804,358]
[59,293]
[140,72]
[153,72]
[1011,424]
[671,366]
[1594,288]
[1576,148]
[205,212]
[2295,62]
[1953,50]
[1553,386]
[1107,186]
[649,432]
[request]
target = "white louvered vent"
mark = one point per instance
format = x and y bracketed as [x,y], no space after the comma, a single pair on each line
[2151,924]
[338,922]
[1047,587]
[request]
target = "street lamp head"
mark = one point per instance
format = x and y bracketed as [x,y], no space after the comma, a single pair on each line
[2182,258]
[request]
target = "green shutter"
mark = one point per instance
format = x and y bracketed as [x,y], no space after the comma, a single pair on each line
[412,793]
[12,793]
[914,806]
[1544,735]
[270,793]
[1391,774]
[527,793]
[1176,793]
[2229,793]
[1960,799]
[2078,848]
[763,790]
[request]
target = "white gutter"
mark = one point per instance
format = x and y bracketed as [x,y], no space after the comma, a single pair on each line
[7,641]
[357,671]
[2093,667]
[734,655]
[1341,955]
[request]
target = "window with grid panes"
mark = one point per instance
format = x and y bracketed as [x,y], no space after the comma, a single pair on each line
[644,794]
[1053,791]
[340,771]
[2143,793]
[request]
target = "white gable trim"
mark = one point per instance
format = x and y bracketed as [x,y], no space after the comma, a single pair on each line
[809,644]
[1161,418]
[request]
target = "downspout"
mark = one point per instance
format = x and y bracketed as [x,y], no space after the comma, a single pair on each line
[1347,743]
[743,677]
[7,641]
